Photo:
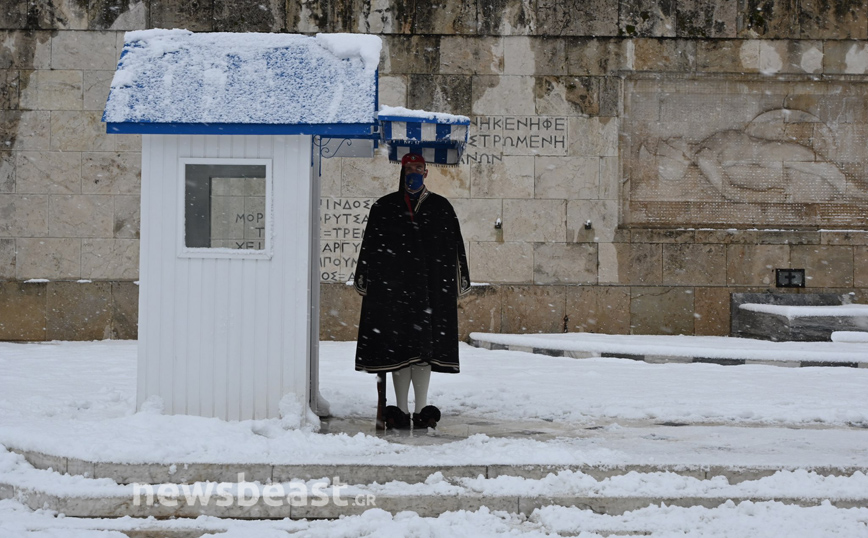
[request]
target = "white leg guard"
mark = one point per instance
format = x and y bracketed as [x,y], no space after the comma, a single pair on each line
[421,375]
[401,380]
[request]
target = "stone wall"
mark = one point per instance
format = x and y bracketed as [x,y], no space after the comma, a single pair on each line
[705,143]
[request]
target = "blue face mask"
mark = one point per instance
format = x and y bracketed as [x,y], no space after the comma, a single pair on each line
[414,181]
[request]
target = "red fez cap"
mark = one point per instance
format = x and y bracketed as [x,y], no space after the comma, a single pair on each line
[412,158]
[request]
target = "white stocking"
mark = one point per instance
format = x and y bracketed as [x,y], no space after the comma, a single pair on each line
[401,380]
[421,375]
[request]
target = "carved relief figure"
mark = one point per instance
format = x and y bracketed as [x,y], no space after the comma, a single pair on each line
[782,156]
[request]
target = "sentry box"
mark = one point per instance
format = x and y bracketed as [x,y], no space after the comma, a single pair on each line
[233,128]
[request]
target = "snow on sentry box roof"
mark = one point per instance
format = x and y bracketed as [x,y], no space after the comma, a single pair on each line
[408,114]
[175,81]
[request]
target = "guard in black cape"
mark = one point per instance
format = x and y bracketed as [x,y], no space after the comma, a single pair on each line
[411,269]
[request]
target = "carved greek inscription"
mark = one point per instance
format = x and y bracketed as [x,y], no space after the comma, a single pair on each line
[238,213]
[492,137]
[342,226]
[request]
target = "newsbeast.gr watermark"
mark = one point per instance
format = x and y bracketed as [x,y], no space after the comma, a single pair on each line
[245,494]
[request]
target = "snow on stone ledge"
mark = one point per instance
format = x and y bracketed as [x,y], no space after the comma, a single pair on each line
[850,337]
[176,76]
[401,112]
[349,46]
[792,312]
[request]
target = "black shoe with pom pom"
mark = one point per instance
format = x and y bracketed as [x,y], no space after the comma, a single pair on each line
[428,417]
[396,419]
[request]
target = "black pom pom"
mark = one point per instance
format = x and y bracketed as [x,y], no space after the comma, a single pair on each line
[428,417]
[395,418]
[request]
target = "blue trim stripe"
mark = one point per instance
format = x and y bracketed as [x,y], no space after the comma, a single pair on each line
[414,131]
[434,152]
[358,130]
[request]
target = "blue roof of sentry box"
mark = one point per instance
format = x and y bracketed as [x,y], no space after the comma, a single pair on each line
[178,82]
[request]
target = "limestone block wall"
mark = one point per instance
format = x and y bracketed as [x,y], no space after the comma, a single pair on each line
[69,193]
[707,142]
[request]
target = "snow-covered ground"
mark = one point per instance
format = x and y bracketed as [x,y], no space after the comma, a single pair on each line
[77,400]
[730,520]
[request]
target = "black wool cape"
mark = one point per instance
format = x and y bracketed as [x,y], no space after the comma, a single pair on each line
[411,269]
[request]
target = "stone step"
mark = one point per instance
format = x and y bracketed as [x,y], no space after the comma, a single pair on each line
[99,503]
[186,473]
[356,501]
[795,317]
[143,529]
[786,360]
[186,528]
[162,532]
[320,492]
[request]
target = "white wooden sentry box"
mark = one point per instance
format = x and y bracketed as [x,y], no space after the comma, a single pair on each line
[229,296]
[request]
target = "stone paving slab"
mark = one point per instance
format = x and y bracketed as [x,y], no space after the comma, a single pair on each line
[150,529]
[620,505]
[537,472]
[115,507]
[46,461]
[75,466]
[168,533]
[424,505]
[182,473]
[368,474]
[156,531]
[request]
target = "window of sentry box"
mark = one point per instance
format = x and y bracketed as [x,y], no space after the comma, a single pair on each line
[227,208]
